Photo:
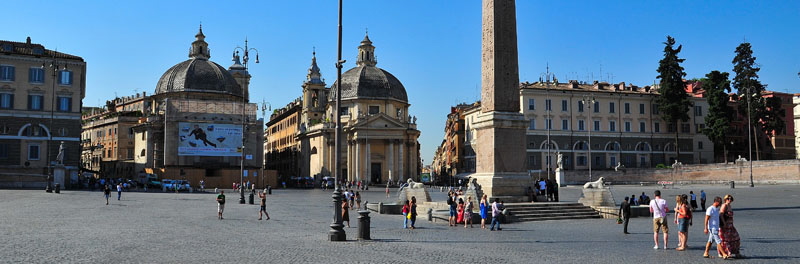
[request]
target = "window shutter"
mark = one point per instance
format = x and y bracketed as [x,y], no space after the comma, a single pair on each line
[30,74]
[69,102]
[30,101]
[70,77]
[12,73]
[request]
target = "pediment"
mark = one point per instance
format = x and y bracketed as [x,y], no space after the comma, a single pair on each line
[379,121]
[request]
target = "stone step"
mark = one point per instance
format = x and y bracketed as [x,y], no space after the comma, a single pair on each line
[550,211]
[558,218]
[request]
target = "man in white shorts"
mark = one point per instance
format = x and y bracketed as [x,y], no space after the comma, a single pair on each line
[659,209]
[712,227]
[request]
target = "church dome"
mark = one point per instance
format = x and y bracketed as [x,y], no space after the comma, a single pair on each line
[366,81]
[198,74]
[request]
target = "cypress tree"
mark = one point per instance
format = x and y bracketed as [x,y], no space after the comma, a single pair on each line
[673,102]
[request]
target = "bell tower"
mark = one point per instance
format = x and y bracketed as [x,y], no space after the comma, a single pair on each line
[314,96]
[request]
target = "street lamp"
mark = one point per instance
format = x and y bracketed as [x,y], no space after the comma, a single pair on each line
[749,136]
[54,66]
[588,103]
[246,50]
[548,106]
[337,229]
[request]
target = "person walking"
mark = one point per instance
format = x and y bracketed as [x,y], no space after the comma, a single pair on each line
[106,193]
[119,191]
[496,215]
[702,200]
[263,196]
[659,209]
[625,214]
[452,204]
[693,200]
[728,234]
[484,207]
[413,211]
[712,228]
[406,214]
[468,212]
[346,213]
[387,189]
[220,204]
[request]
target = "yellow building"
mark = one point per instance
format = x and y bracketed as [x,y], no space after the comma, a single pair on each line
[40,101]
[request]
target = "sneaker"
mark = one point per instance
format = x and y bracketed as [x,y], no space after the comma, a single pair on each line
[655,247]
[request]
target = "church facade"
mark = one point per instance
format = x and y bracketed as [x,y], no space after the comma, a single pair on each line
[379,139]
[199,124]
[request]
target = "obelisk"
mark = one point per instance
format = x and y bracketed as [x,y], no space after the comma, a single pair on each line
[500,127]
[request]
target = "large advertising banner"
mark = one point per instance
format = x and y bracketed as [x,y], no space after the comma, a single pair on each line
[206,139]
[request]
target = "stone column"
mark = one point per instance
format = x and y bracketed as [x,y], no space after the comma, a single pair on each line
[368,162]
[500,127]
[357,159]
[400,160]
[390,160]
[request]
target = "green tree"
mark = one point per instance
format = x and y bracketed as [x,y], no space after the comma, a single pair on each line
[766,114]
[673,102]
[717,87]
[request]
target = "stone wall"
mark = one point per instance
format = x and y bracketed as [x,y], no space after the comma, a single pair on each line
[764,172]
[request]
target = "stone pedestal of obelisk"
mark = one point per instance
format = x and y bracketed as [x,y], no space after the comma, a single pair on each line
[500,127]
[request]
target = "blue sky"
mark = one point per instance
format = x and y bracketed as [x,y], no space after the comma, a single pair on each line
[433,47]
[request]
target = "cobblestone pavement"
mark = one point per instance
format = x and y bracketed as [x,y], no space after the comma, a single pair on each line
[77,226]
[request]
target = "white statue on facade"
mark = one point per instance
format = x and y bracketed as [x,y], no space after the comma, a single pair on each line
[560,161]
[60,157]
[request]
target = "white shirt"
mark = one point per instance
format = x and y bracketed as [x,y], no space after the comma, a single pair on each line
[713,218]
[659,208]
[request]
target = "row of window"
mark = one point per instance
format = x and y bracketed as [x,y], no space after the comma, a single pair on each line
[612,126]
[35,75]
[33,151]
[698,110]
[32,131]
[36,102]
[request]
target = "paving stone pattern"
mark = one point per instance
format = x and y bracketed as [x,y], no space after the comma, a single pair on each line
[77,226]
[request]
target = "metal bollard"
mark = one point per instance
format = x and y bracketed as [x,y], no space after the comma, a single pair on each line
[733,184]
[363,225]
[269,189]
[58,188]
[380,207]
[250,199]
[430,214]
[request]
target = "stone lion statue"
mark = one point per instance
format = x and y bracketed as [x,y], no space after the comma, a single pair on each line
[599,183]
[415,185]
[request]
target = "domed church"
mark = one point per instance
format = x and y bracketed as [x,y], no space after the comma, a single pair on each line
[379,136]
[197,122]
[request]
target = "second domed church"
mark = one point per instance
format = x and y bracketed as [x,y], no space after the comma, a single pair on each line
[379,140]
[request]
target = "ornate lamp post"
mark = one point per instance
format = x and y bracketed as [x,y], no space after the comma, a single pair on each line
[337,229]
[55,66]
[588,103]
[246,50]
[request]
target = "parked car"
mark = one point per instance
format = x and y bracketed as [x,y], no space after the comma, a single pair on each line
[171,185]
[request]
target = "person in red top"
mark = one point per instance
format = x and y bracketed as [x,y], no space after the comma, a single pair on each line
[683,218]
[406,211]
